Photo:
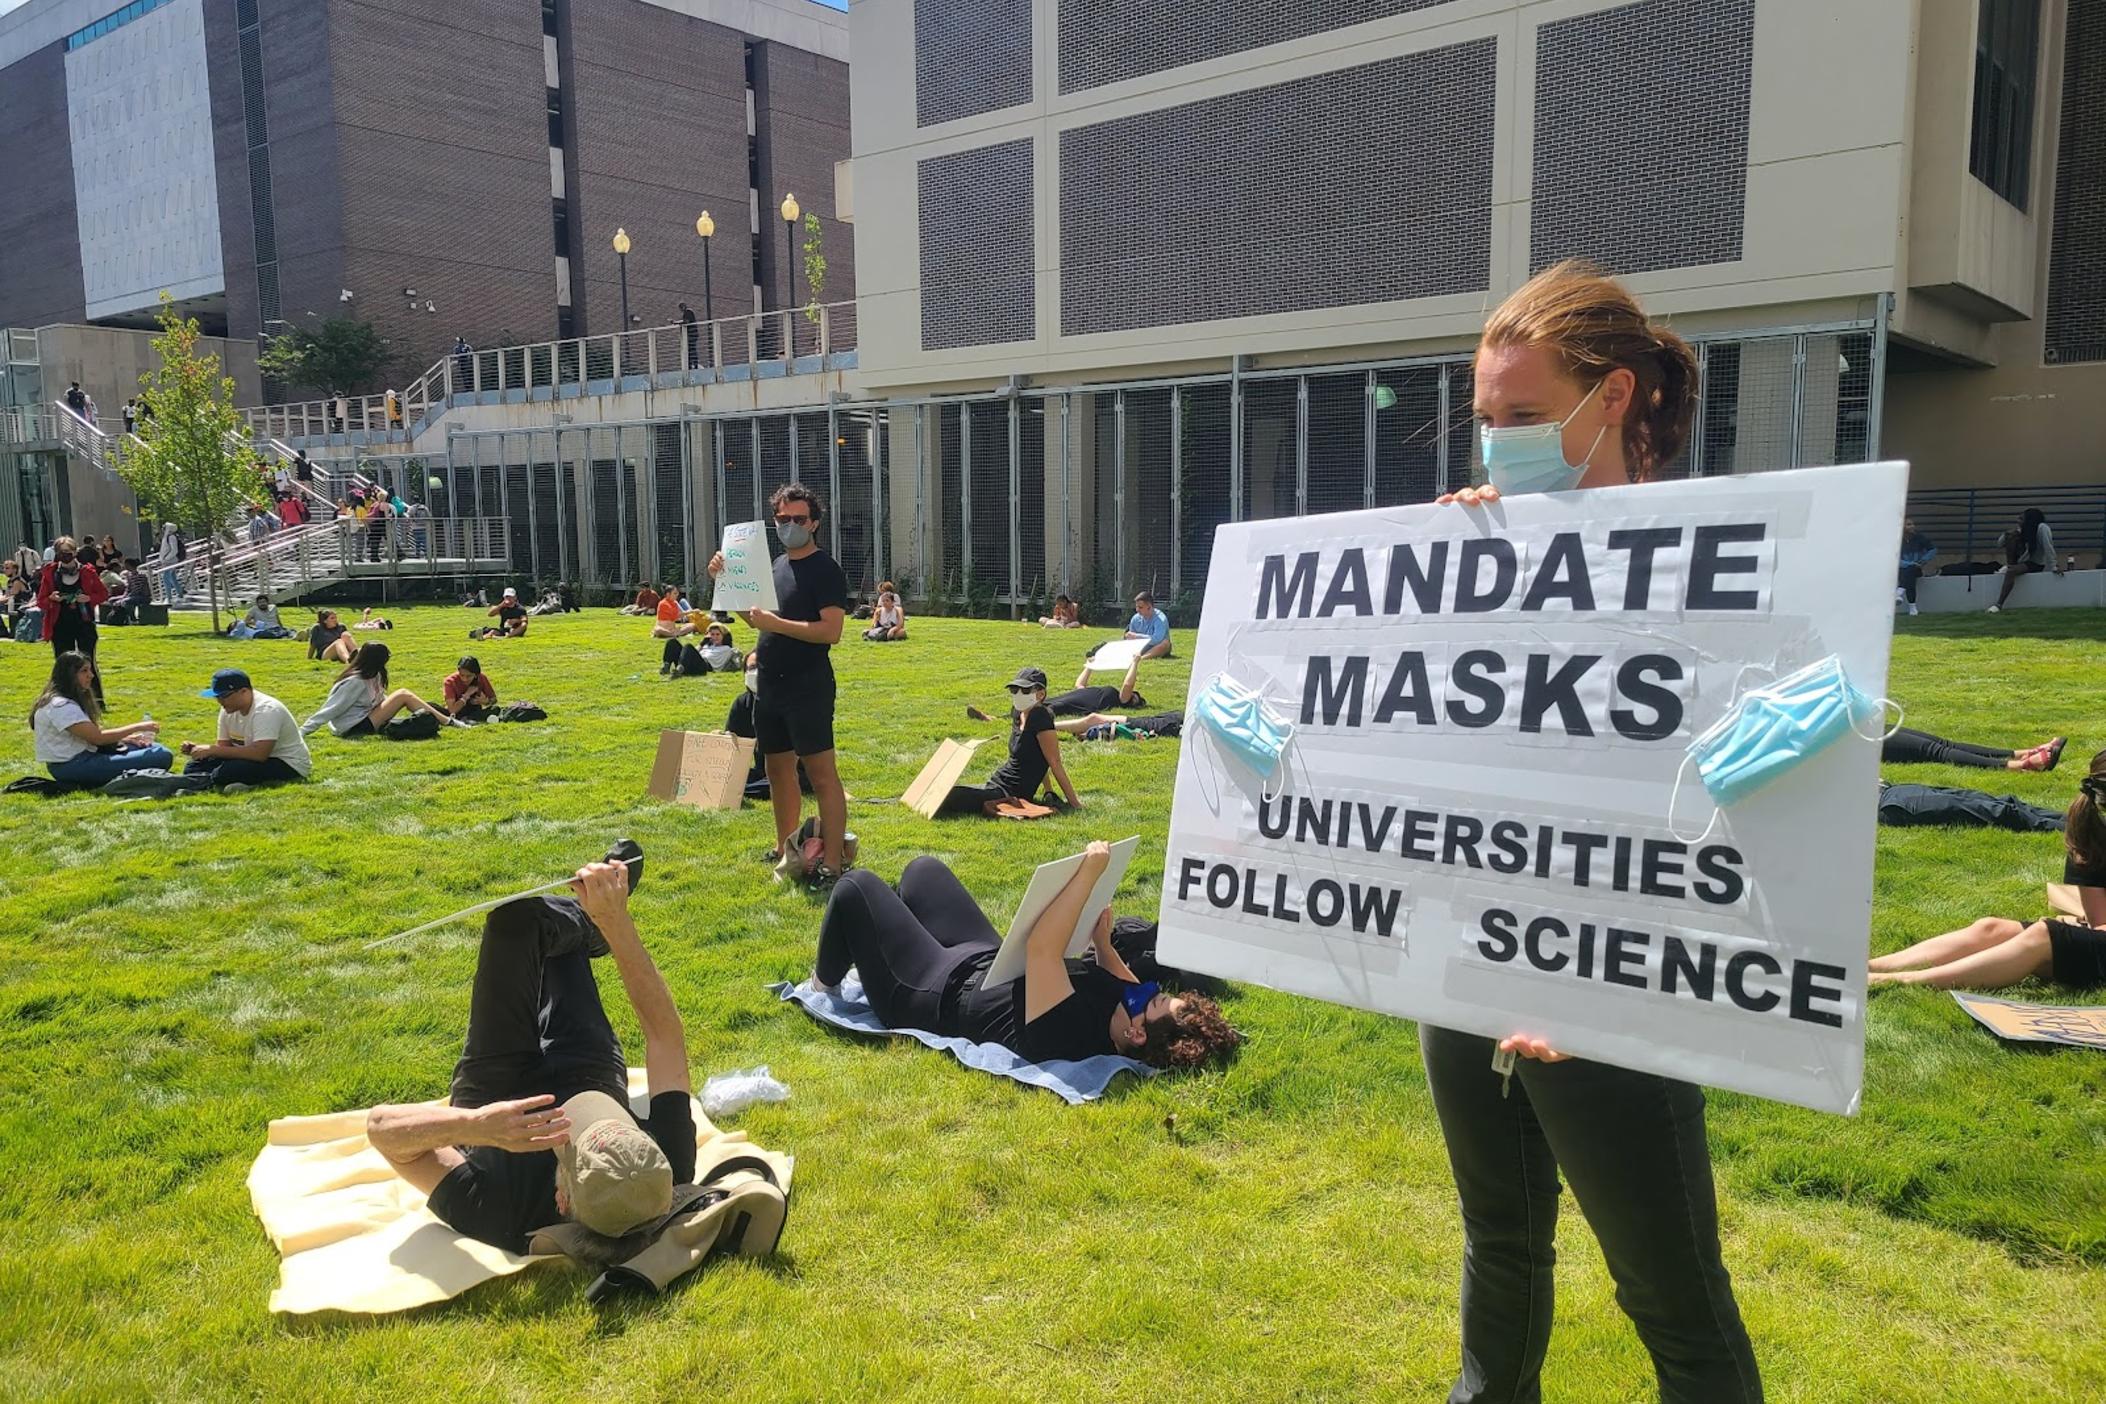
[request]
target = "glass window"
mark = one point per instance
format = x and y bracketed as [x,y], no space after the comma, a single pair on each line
[2006,53]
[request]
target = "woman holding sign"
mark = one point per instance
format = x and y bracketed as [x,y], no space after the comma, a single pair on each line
[1577,388]
[924,951]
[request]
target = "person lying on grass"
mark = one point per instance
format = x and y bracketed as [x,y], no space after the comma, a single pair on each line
[1997,951]
[924,950]
[712,653]
[359,702]
[1084,699]
[537,1129]
[1034,751]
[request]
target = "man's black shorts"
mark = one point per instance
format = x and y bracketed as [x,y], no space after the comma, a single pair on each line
[796,716]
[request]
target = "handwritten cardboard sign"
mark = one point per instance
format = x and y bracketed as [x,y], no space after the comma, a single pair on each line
[701,769]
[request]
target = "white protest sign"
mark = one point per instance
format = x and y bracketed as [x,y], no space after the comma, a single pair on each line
[1046,884]
[1470,826]
[748,580]
[1116,656]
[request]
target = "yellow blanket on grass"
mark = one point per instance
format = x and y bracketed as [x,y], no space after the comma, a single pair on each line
[355,1236]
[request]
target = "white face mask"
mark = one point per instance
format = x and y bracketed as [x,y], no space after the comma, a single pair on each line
[753,680]
[1021,702]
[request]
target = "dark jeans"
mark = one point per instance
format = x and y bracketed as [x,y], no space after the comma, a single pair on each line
[535,1022]
[1632,1145]
[1906,806]
[1907,746]
[1908,578]
[906,944]
[221,773]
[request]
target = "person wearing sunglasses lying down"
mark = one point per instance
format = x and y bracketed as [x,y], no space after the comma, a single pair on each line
[924,950]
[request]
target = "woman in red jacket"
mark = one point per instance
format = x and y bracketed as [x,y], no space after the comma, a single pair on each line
[71,594]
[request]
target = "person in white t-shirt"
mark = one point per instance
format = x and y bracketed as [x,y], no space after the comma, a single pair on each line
[259,742]
[71,740]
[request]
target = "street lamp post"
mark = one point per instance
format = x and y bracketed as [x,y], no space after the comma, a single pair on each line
[789,231]
[707,228]
[621,254]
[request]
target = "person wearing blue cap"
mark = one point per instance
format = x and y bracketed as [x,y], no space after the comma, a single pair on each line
[259,743]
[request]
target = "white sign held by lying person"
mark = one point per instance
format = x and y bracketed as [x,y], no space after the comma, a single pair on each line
[1116,656]
[748,579]
[1046,884]
[1489,709]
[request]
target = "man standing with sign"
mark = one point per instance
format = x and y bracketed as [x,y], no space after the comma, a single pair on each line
[1436,774]
[793,710]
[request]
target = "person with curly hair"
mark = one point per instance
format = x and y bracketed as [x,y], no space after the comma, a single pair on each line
[1998,951]
[924,950]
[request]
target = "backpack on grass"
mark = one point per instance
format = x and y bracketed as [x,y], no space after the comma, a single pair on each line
[418,726]
[520,712]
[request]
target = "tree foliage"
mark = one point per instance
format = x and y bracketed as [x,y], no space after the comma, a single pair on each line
[191,463]
[814,266]
[343,356]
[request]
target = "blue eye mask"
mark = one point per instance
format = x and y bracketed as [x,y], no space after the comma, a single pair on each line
[1770,731]
[1243,724]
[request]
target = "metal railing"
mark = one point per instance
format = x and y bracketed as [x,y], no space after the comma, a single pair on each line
[1964,523]
[301,559]
[81,436]
[577,365]
[27,425]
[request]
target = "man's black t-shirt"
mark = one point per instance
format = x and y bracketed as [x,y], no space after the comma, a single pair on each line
[510,613]
[803,588]
[1026,768]
[501,1197]
[1077,1027]
[2082,874]
[1085,700]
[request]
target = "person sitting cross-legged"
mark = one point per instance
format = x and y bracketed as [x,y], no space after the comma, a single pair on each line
[537,1130]
[259,742]
[470,695]
[71,740]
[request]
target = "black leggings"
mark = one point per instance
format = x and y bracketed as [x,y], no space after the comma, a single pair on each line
[1907,747]
[906,945]
[535,1021]
[1912,805]
[971,799]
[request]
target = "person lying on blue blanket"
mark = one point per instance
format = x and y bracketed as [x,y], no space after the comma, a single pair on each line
[924,952]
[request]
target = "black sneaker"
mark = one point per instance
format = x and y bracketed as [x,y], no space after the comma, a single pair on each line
[771,855]
[821,879]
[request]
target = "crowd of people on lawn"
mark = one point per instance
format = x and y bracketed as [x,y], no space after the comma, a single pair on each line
[1606,395]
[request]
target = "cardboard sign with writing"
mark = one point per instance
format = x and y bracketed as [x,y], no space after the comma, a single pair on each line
[937,777]
[2072,1025]
[1476,822]
[702,769]
[748,579]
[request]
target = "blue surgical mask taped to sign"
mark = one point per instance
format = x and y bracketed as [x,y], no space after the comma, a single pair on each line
[1531,457]
[1771,730]
[1243,724]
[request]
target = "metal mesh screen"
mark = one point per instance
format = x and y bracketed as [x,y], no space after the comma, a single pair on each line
[1748,405]
[990,502]
[1204,472]
[1670,76]
[774,453]
[2076,300]
[1148,523]
[519,526]
[1459,441]
[1175,215]
[1105,41]
[970,56]
[948,506]
[1032,484]
[814,463]
[1407,435]
[735,444]
[1097,522]
[978,279]
[1337,442]
[854,507]
[1271,469]
[669,510]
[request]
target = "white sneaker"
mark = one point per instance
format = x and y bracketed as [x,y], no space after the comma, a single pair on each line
[1996,609]
[1912,611]
[1900,594]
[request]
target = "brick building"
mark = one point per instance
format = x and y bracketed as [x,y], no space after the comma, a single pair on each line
[439,170]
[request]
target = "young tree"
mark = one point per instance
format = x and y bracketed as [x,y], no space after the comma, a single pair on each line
[814,266]
[343,356]
[192,464]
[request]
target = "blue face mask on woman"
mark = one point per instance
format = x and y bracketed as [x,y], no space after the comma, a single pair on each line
[1243,724]
[1771,730]
[1531,457]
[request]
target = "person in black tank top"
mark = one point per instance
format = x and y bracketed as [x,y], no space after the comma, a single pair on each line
[924,950]
[1034,752]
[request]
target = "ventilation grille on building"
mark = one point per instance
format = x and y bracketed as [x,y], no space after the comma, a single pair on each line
[1370,184]
[1670,78]
[2076,303]
[244,14]
[970,56]
[1104,41]
[977,282]
[261,207]
[252,86]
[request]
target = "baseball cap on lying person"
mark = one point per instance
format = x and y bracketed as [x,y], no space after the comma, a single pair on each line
[226,682]
[615,1174]
[510,593]
[1027,679]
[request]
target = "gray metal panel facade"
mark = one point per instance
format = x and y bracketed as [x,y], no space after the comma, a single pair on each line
[40,275]
[230,159]
[1368,184]
[2076,301]
[978,284]
[1671,79]
[970,56]
[1105,41]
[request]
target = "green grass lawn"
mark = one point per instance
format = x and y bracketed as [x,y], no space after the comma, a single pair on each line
[178,973]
